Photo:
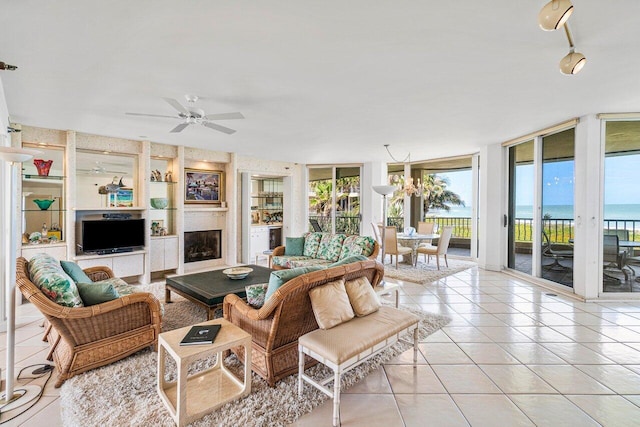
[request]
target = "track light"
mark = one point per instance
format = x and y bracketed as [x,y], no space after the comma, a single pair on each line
[554,14]
[573,62]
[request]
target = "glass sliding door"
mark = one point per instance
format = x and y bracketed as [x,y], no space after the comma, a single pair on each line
[334,199]
[520,209]
[557,207]
[621,236]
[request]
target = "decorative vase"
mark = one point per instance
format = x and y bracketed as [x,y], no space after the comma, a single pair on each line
[43,204]
[43,166]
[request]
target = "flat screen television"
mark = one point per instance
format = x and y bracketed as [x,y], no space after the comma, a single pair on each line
[112,235]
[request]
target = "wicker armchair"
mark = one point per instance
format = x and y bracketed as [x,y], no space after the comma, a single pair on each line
[287,315]
[85,338]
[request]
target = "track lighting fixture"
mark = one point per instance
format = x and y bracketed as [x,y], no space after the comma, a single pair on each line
[554,14]
[573,62]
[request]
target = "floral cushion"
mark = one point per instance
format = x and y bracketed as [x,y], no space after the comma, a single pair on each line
[330,247]
[286,260]
[256,294]
[47,274]
[122,287]
[357,245]
[311,244]
[309,262]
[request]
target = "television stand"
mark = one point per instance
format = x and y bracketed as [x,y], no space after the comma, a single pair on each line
[114,251]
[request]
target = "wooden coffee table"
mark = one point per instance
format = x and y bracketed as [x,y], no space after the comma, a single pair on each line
[210,287]
[190,397]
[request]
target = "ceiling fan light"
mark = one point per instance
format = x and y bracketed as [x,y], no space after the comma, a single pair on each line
[554,14]
[572,63]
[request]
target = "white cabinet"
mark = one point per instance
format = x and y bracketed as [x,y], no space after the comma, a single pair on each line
[164,253]
[123,265]
[58,251]
[259,240]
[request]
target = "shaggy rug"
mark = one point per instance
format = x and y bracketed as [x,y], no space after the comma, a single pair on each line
[124,392]
[425,273]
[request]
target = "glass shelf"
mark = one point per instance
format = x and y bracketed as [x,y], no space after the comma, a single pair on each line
[44,210]
[164,182]
[27,176]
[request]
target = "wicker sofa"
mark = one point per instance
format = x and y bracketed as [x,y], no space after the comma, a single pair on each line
[324,249]
[85,338]
[287,315]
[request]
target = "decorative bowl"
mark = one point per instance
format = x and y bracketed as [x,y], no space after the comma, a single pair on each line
[159,202]
[44,204]
[237,273]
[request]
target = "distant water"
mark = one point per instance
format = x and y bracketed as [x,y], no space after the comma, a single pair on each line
[620,212]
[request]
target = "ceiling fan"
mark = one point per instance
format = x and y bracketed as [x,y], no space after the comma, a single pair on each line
[189,115]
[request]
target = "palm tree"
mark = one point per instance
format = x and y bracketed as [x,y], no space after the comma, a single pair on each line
[436,195]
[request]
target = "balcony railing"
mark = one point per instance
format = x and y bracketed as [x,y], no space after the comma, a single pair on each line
[346,224]
[558,229]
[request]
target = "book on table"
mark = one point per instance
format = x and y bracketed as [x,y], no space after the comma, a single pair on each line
[201,335]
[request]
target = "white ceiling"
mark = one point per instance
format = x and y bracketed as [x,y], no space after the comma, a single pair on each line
[318,81]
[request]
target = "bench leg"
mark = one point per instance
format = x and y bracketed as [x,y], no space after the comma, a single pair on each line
[415,346]
[336,398]
[300,371]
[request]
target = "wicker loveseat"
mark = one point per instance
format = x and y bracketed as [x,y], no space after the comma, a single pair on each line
[324,249]
[287,315]
[85,338]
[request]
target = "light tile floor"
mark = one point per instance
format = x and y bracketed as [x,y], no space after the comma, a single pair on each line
[512,355]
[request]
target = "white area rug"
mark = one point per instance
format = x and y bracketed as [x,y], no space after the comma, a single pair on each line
[425,273]
[124,393]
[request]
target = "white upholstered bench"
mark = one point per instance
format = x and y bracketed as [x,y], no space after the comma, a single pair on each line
[347,345]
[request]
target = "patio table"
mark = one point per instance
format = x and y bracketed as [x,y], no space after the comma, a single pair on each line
[413,241]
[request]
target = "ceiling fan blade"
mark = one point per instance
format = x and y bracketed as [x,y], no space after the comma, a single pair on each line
[151,115]
[179,127]
[219,128]
[175,104]
[224,116]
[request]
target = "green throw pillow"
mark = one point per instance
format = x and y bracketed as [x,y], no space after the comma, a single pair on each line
[280,277]
[75,271]
[97,293]
[348,260]
[294,246]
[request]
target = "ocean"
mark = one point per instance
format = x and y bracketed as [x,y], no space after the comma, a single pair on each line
[611,212]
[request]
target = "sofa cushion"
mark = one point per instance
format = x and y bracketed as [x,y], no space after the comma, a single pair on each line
[362,297]
[357,245]
[46,273]
[330,304]
[280,277]
[294,246]
[287,261]
[311,244]
[309,262]
[122,287]
[256,294]
[96,293]
[348,260]
[75,272]
[330,247]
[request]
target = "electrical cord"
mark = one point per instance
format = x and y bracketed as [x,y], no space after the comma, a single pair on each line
[46,370]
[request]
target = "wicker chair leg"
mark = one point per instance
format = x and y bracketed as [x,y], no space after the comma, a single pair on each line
[53,348]
[45,337]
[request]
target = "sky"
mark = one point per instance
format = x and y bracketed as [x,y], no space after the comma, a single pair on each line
[620,182]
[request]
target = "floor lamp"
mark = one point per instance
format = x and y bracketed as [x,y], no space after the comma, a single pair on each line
[384,191]
[14,157]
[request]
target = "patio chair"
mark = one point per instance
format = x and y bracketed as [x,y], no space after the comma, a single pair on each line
[613,258]
[441,249]
[557,251]
[391,246]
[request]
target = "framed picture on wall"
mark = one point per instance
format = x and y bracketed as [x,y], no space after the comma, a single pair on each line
[203,186]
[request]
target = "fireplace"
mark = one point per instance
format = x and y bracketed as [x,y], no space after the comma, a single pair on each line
[202,245]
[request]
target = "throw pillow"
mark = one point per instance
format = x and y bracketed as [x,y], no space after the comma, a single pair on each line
[330,304]
[280,277]
[256,294]
[97,293]
[362,297]
[294,246]
[311,244]
[331,247]
[348,260]
[75,271]
[45,272]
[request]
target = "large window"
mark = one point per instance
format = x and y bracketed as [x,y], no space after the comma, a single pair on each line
[334,198]
[621,235]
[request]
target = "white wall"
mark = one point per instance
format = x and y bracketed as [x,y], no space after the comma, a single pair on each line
[373,173]
[492,208]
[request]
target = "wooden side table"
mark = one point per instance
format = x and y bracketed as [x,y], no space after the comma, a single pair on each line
[191,397]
